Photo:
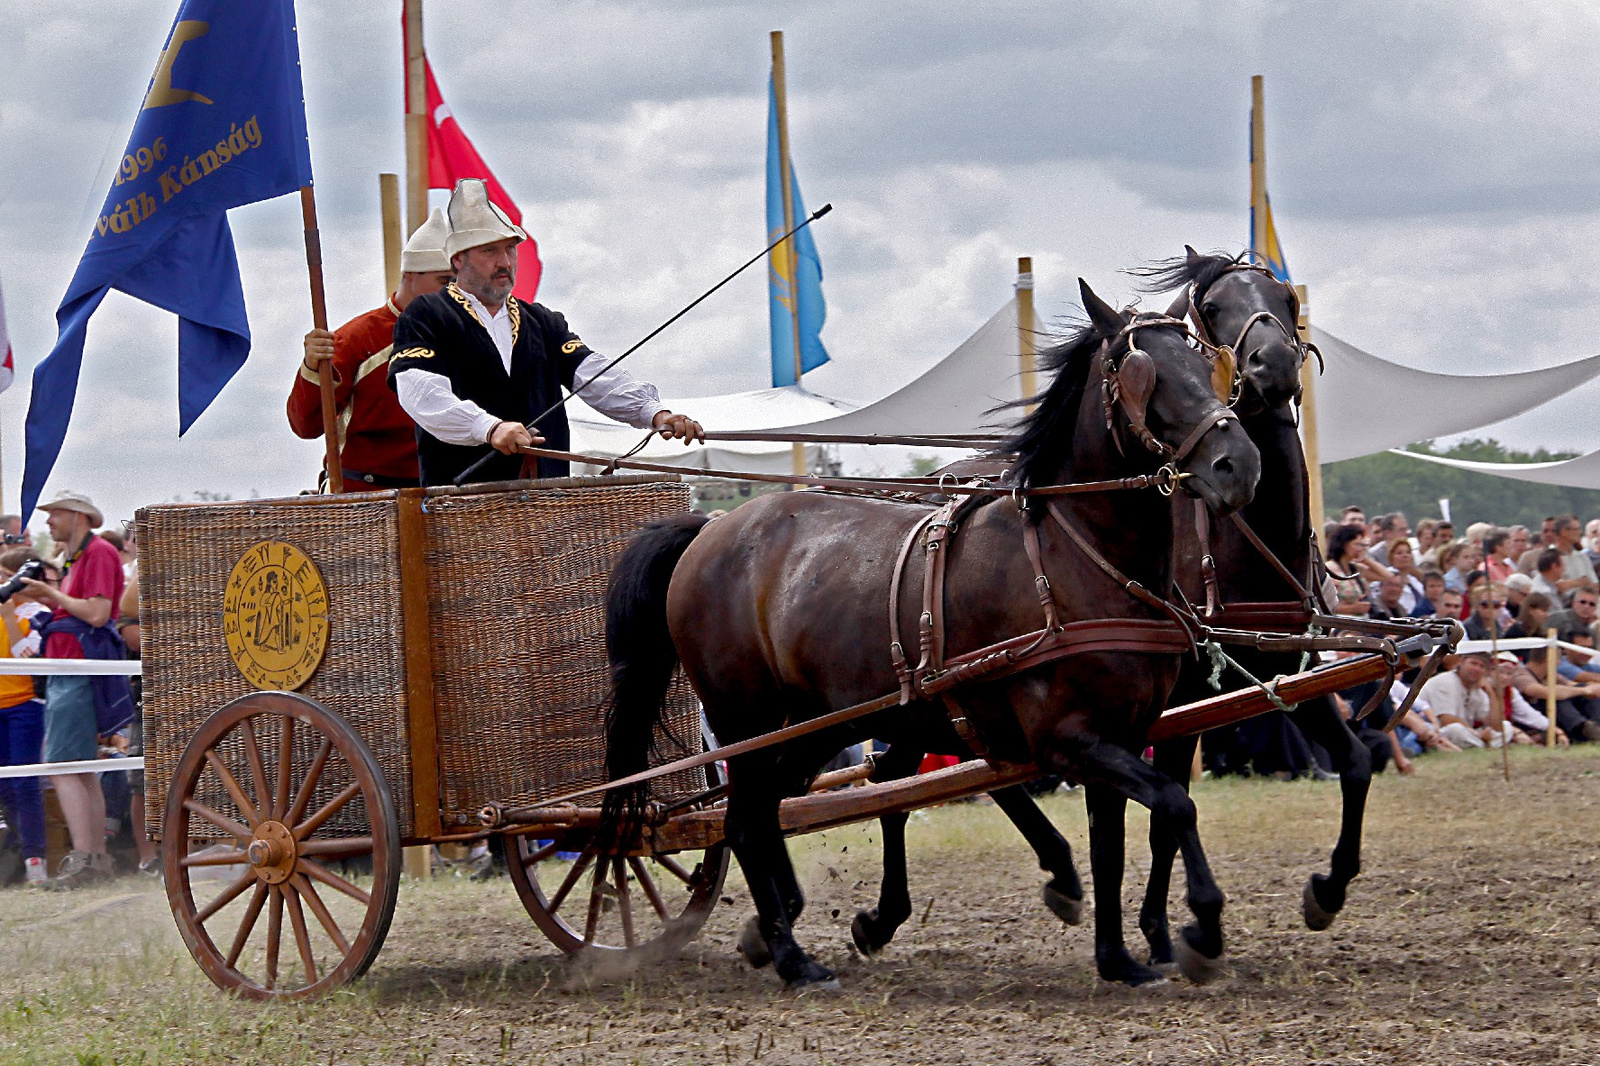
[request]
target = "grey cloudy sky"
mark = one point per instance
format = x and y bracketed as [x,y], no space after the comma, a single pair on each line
[1433,169]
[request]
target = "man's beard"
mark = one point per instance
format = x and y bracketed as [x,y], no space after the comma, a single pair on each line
[491,290]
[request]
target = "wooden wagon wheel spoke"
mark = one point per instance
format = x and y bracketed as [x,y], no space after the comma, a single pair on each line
[332,880]
[572,878]
[327,810]
[304,889]
[247,926]
[302,936]
[231,783]
[226,896]
[284,868]
[336,847]
[258,770]
[596,900]
[619,874]
[545,852]
[274,935]
[216,818]
[648,884]
[677,871]
[221,858]
[280,795]
[302,798]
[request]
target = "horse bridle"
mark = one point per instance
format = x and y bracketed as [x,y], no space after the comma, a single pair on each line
[1129,381]
[1229,353]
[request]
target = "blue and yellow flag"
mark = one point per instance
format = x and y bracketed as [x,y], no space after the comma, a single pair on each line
[222,124]
[797,297]
[1271,250]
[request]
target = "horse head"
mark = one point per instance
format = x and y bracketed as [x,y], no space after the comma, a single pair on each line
[1248,317]
[1133,392]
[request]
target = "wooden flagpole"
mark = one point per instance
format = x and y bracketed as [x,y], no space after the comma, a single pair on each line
[416,121]
[389,205]
[319,320]
[1027,341]
[1550,655]
[787,249]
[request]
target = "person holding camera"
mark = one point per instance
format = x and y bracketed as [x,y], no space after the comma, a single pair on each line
[21,721]
[77,708]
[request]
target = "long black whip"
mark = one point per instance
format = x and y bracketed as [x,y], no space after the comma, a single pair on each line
[462,477]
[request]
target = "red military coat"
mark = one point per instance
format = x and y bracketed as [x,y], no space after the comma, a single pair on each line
[376,436]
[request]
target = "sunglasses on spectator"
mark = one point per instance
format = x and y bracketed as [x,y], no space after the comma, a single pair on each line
[1584,603]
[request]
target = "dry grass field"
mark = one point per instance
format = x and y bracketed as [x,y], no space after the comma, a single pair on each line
[1473,937]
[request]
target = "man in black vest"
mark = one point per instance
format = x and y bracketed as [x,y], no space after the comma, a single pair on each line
[474,365]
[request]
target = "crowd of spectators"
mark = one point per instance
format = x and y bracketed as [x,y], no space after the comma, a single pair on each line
[80,602]
[1500,584]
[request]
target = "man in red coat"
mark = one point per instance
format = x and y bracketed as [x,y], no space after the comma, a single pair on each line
[377,439]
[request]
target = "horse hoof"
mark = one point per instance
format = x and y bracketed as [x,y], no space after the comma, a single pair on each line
[1317,919]
[1195,966]
[752,945]
[1061,905]
[1136,976]
[862,937]
[814,978]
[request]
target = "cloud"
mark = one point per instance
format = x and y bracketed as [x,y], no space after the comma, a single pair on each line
[1432,169]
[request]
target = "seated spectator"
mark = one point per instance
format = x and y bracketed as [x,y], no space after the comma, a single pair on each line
[1577,572]
[1432,589]
[1530,557]
[1580,617]
[1419,730]
[1457,561]
[1532,616]
[1548,574]
[1451,606]
[1460,703]
[1353,516]
[1476,532]
[1388,598]
[1518,585]
[1516,708]
[1496,552]
[1516,544]
[1444,535]
[1387,529]
[1578,703]
[1484,623]
[1349,570]
[1402,561]
[1423,537]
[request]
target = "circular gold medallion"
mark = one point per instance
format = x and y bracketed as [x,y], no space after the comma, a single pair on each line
[275,616]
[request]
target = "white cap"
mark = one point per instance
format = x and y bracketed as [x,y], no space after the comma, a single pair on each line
[424,252]
[475,221]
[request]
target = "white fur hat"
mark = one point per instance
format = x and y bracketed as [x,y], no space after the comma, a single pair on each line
[474,220]
[424,252]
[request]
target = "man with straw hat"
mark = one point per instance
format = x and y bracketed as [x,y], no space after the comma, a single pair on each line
[79,708]
[473,365]
[377,439]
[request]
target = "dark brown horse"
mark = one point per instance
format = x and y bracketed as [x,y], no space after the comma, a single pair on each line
[1247,308]
[780,613]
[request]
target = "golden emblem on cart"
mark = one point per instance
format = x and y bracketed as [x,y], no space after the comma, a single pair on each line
[275,616]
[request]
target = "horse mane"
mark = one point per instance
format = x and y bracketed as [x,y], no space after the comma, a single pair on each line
[1042,441]
[1164,275]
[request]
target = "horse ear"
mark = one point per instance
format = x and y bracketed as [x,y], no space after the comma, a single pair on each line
[1180,306]
[1190,255]
[1102,314]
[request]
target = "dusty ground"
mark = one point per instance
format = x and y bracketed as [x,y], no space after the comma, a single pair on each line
[1472,937]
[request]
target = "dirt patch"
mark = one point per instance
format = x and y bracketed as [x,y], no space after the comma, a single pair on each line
[1472,937]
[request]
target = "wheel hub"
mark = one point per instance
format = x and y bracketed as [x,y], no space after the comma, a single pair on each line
[272,852]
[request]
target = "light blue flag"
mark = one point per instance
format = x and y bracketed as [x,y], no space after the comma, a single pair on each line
[222,124]
[791,297]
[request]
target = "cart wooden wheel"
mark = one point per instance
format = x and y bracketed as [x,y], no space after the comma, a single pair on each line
[649,904]
[273,792]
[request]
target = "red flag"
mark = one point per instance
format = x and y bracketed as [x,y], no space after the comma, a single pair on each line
[452,157]
[7,371]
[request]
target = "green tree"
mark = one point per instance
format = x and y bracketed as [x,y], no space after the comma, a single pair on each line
[1388,482]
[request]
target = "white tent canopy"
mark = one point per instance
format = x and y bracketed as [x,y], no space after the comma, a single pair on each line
[955,395]
[1580,472]
[1366,405]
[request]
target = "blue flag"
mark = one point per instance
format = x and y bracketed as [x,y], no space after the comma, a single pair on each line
[222,124]
[796,296]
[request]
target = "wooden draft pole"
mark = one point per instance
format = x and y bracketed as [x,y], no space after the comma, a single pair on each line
[319,320]
[786,250]
[389,203]
[1027,338]
[416,121]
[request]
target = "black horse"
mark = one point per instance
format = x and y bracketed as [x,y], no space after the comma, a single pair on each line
[779,614]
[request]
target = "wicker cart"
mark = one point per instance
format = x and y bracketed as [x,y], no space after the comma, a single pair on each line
[329,679]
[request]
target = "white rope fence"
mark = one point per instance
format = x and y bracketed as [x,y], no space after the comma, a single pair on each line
[60,667]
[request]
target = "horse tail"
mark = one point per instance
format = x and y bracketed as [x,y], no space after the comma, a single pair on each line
[643,659]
